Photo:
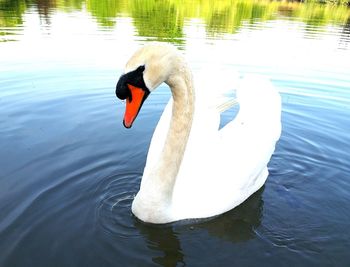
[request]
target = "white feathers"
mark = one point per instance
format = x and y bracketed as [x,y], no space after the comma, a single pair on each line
[218,169]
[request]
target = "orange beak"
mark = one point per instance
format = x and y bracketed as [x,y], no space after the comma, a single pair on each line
[133,105]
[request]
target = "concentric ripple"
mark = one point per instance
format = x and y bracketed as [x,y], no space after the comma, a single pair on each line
[113,212]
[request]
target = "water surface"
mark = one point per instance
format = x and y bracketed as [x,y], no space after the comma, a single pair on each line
[69,169]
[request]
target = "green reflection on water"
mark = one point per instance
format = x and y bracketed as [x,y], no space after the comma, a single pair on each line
[162,20]
[165,20]
[11,13]
[105,11]
[229,16]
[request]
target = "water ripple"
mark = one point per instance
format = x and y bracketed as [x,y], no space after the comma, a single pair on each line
[113,212]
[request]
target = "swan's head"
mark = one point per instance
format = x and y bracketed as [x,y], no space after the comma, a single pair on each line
[146,70]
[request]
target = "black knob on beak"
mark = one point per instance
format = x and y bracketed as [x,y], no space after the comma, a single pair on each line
[122,91]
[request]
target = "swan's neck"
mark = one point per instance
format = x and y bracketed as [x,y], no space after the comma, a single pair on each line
[156,190]
[178,133]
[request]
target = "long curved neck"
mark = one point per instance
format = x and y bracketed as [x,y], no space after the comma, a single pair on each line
[180,126]
[162,177]
[154,199]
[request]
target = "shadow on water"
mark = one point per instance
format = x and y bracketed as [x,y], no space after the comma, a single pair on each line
[237,225]
[162,239]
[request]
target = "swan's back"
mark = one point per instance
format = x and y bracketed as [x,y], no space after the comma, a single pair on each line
[226,166]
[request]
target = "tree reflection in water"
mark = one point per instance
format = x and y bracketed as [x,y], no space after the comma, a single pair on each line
[166,20]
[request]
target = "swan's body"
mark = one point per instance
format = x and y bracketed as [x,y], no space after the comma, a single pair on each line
[193,169]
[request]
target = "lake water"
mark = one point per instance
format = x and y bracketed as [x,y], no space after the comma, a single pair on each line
[69,169]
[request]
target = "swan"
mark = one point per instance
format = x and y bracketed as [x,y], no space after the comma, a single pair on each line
[193,169]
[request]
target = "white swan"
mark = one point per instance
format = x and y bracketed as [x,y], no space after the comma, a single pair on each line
[193,169]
